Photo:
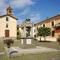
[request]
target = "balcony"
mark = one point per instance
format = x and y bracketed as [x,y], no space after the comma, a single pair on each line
[57,25]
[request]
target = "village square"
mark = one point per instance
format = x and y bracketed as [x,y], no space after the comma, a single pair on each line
[28,40]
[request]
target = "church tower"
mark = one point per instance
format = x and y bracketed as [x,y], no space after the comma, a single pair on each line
[9,11]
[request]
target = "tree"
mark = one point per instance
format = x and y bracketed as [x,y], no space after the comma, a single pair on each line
[44,31]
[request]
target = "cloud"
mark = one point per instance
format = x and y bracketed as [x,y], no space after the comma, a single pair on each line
[25,11]
[21,3]
[3,6]
[19,21]
[35,17]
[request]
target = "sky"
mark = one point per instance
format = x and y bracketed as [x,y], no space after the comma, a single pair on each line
[36,10]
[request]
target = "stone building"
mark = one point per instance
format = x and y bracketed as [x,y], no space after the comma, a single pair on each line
[8,24]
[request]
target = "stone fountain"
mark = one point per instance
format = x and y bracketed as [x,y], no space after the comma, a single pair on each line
[27,38]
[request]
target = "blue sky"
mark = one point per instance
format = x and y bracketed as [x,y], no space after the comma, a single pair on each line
[36,10]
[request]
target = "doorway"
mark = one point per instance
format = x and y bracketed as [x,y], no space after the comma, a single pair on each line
[6,33]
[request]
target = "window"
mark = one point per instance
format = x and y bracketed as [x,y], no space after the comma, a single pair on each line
[17,28]
[17,33]
[43,25]
[52,23]
[35,36]
[34,30]
[6,18]
[6,25]
[53,33]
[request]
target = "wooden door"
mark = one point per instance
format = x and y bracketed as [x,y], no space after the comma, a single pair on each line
[6,33]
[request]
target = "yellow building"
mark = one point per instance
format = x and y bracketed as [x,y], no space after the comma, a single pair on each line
[8,25]
[53,23]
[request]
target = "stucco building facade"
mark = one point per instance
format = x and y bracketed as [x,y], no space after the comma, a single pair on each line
[53,23]
[8,24]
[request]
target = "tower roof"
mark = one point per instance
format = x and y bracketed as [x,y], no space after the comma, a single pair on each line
[9,11]
[9,8]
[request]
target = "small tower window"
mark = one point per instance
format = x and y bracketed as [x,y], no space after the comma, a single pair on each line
[6,25]
[10,11]
[6,18]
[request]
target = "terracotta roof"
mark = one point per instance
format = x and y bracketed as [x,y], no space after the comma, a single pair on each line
[8,15]
[48,19]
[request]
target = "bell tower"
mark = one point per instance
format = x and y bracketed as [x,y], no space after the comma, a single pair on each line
[9,11]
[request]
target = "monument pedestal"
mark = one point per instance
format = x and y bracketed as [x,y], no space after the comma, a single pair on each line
[27,43]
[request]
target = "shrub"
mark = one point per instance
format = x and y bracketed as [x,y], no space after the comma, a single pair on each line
[8,42]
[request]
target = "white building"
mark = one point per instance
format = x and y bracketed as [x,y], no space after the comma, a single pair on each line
[8,25]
